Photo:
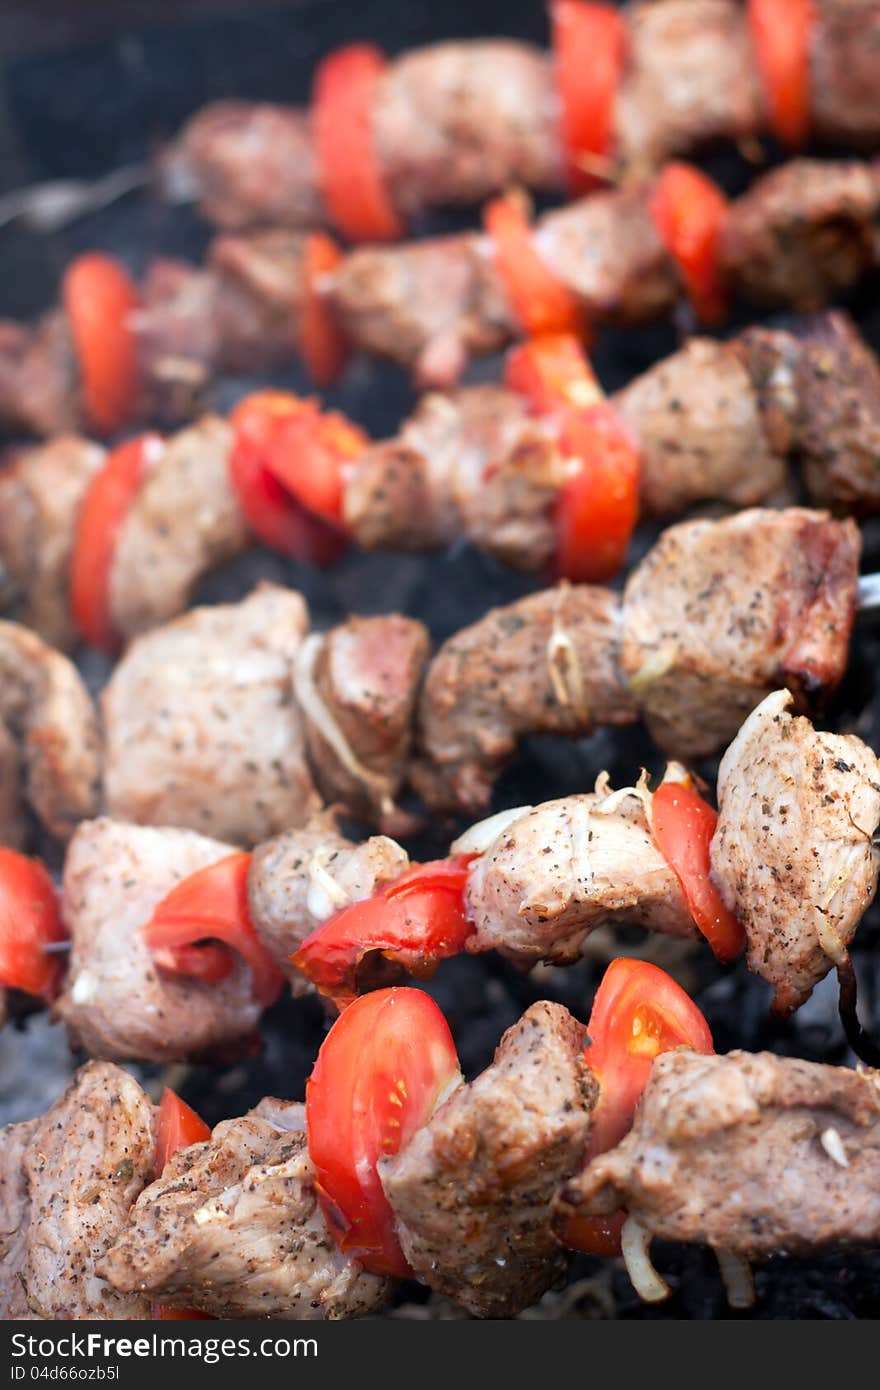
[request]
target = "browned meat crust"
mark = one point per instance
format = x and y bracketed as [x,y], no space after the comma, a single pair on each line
[472,1189]
[844,72]
[14,1140]
[756,1154]
[13,821]
[39,381]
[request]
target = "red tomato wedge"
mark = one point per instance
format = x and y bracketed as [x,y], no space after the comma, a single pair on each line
[179,1126]
[552,371]
[99,299]
[638,1012]
[539,299]
[417,921]
[30,921]
[307,456]
[598,505]
[589,45]
[211,905]
[688,210]
[682,827]
[782,34]
[99,522]
[322,343]
[274,514]
[383,1068]
[354,187]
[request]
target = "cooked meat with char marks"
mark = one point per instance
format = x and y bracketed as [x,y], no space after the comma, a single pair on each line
[752,1153]
[14,1140]
[843,72]
[201,727]
[545,664]
[116,1002]
[720,613]
[299,879]
[700,431]
[566,867]
[184,521]
[39,379]
[472,462]
[471,1191]
[88,1159]
[802,232]
[233,1227]
[41,489]
[793,853]
[690,78]
[357,688]
[46,708]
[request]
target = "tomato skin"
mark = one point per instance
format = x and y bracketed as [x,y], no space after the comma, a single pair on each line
[380,1073]
[307,456]
[179,1126]
[682,827]
[101,517]
[782,32]
[688,210]
[211,905]
[418,920]
[322,343]
[598,506]
[589,43]
[539,299]
[638,1012]
[552,371]
[99,299]
[30,920]
[354,187]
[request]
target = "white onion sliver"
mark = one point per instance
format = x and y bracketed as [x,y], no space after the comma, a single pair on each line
[635,1245]
[477,838]
[736,1275]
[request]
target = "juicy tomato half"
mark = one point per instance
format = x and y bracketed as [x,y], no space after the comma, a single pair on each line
[100,299]
[682,827]
[638,1012]
[598,505]
[99,522]
[179,1126]
[354,187]
[383,1068]
[688,211]
[782,33]
[416,921]
[322,343]
[30,922]
[287,467]
[552,372]
[589,45]
[211,907]
[539,299]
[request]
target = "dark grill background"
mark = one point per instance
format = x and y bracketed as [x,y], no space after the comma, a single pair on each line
[90,87]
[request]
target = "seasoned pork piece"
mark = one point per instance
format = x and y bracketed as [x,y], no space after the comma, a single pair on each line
[47,710]
[302,877]
[751,1153]
[722,612]
[566,867]
[700,431]
[793,853]
[184,521]
[89,1157]
[356,688]
[690,78]
[802,232]
[39,378]
[233,1227]
[471,1191]
[14,1140]
[200,722]
[472,462]
[843,72]
[40,493]
[116,1002]
[545,664]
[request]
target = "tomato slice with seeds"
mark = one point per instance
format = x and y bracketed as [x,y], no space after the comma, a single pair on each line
[100,299]
[688,210]
[598,505]
[683,825]
[179,1126]
[322,343]
[589,43]
[551,372]
[30,921]
[539,299]
[782,35]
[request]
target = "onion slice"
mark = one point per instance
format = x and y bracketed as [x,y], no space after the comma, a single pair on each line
[635,1246]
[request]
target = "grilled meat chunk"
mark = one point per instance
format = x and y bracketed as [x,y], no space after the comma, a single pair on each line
[201,725]
[721,613]
[751,1153]
[471,1191]
[87,1160]
[300,878]
[117,1003]
[545,664]
[13,821]
[793,853]
[233,1227]
[39,379]
[40,493]
[47,710]
[14,1140]
[843,72]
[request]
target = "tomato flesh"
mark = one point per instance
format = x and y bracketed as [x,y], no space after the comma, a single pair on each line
[688,210]
[782,33]
[322,343]
[539,299]
[382,1069]
[589,43]
[598,505]
[552,372]
[683,825]
[99,299]
[30,921]
[179,1126]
